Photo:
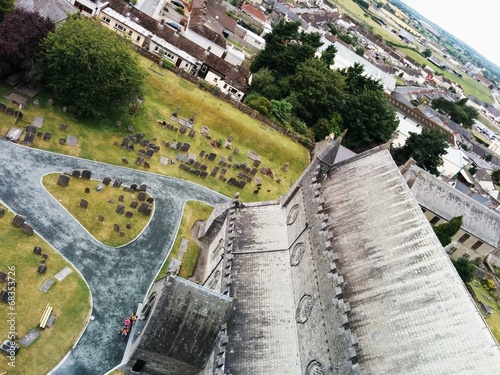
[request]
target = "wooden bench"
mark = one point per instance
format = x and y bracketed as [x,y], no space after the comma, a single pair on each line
[45,316]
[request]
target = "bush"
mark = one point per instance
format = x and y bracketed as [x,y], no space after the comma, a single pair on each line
[488,157]
[260,103]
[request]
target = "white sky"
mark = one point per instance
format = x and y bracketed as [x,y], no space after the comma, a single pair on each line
[474,22]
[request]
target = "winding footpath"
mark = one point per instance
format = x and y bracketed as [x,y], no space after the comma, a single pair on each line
[118,278]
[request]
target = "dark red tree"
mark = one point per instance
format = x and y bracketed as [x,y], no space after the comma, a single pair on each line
[21,35]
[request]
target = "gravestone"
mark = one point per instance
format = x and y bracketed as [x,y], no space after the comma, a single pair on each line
[116,227]
[76,173]
[18,221]
[223,171]
[2,211]
[3,107]
[138,137]
[119,209]
[86,174]
[203,167]
[118,123]
[10,112]
[42,268]
[100,218]
[45,256]
[65,109]
[231,181]
[185,147]
[47,136]
[130,129]
[106,181]
[111,200]
[197,164]
[150,200]
[125,142]
[212,156]
[133,204]
[122,234]
[143,187]
[50,102]
[147,211]
[222,160]
[205,132]
[62,141]
[128,225]
[285,167]
[87,190]
[149,153]
[146,165]
[183,129]
[46,285]
[71,141]
[203,174]
[144,143]
[256,163]
[36,103]
[129,214]
[214,172]
[192,132]
[191,158]
[62,274]
[202,153]
[163,160]
[84,204]
[124,160]
[120,198]
[37,250]
[117,183]
[139,160]
[142,196]
[63,127]
[39,135]
[236,151]
[3,276]
[142,207]
[63,180]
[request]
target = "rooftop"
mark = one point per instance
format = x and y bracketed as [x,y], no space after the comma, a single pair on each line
[56,10]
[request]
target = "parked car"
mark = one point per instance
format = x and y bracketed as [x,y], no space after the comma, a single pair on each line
[177,3]
[173,25]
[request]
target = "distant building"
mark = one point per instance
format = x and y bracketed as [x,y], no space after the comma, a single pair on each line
[56,10]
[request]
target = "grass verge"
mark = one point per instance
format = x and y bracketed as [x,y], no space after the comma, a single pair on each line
[70,299]
[193,211]
[492,320]
[99,204]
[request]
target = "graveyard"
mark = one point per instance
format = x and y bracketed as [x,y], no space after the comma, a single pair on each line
[44,281]
[185,252]
[113,214]
[179,130]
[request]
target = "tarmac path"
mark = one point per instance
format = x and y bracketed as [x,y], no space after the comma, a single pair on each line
[118,278]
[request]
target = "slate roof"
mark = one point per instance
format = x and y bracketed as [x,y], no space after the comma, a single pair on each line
[56,10]
[197,23]
[447,202]
[254,12]
[394,270]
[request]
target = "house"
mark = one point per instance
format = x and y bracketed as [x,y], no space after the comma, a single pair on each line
[326,280]
[254,13]
[123,25]
[89,8]
[254,41]
[480,231]
[55,10]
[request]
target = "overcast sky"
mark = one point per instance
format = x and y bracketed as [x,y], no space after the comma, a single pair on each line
[476,23]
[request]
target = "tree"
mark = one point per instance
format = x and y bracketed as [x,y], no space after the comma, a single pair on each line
[328,55]
[6,6]
[21,35]
[425,148]
[459,112]
[495,176]
[360,51]
[465,269]
[264,82]
[93,69]
[285,49]
[446,231]
[427,53]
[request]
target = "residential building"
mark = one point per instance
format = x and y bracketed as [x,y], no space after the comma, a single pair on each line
[89,7]
[55,10]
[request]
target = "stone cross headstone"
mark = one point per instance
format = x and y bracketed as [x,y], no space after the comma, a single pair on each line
[63,180]
[84,203]
[86,174]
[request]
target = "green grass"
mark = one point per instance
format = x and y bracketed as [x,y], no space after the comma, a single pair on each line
[492,320]
[193,211]
[163,94]
[70,299]
[70,197]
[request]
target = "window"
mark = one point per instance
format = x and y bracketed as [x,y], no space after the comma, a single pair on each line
[106,20]
[204,69]
[451,250]
[465,256]
[186,65]
[138,39]
[435,220]
[120,27]
[464,238]
[477,245]
[216,79]
[170,56]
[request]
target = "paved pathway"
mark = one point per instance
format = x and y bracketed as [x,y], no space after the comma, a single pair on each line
[118,278]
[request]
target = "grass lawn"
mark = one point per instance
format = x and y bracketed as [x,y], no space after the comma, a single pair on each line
[193,211]
[163,94]
[492,320]
[71,195]
[70,299]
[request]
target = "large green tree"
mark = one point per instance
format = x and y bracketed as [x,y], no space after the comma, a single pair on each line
[465,269]
[92,69]
[426,149]
[6,6]
[446,231]
[458,111]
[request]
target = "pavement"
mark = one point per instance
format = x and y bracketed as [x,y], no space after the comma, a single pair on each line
[118,278]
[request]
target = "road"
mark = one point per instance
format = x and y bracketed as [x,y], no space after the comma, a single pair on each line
[118,278]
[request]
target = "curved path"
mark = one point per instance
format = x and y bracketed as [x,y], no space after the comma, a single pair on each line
[118,278]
